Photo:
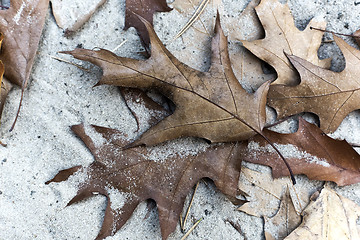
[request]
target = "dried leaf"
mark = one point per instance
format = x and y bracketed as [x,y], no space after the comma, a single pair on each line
[284,221]
[330,95]
[138,174]
[209,104]
[263,193]
[308,151]
[5,85]
[331,216]
[281,35]
[70,15]
[145,9]
[21,26]
[247,68]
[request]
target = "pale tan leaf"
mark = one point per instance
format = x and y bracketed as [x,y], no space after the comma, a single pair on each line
[281,35]
[264,192]
[284,221]
[330,217]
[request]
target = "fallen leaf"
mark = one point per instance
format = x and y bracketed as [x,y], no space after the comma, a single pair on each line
[284,221]
[331,216]
[308,151]
[145,9]
[21,26]
[330,95]
[70,15]
[247,68]
[209,105]
[141,173]
[263,193]
[5,85]
[281,35]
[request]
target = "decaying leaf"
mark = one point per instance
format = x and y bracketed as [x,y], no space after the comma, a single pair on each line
[21,26]
[308,151]
[331,216]
[145,9]
[70,15]
[263,193]
[140,173]
[284,221]
[210,105]
[330,95]
[281,35]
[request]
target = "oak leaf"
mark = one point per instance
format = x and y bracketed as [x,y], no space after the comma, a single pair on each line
[21,26]
[330,95]
[140,173]
[330,216]
[145,9]
[263,193]
[308,151]
[210,105]
[247,68]
[281,35]
[284,221]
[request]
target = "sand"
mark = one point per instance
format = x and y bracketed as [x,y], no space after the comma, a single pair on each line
[60,95]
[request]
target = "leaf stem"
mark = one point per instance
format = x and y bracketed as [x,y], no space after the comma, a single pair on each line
[328,31]
[282,157]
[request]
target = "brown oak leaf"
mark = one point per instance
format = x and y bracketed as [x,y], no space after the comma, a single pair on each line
[330,95]
[281,35]
[210,105]
[145,9]
[308,151]
[140,173]
[21,26]
[330,216]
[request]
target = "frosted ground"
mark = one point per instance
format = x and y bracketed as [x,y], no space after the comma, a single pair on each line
[61,95]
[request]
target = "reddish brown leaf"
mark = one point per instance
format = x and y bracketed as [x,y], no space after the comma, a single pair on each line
[21,25]
[309,151]
[145,9]
[138,176]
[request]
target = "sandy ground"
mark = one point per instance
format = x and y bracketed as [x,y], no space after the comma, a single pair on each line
[61,95]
